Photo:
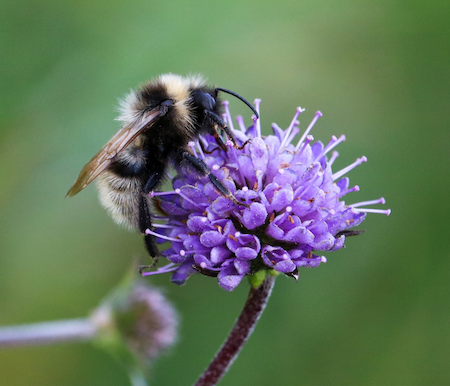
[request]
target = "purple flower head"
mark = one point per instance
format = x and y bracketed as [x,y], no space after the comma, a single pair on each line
[292,208]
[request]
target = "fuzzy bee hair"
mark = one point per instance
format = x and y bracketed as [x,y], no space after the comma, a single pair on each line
[119,195]
[175,87]
[158,121]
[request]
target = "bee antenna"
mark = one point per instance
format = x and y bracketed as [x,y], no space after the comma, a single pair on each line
[239,97]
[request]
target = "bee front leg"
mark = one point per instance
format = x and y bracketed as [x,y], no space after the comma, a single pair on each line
[218,122]
[204,170]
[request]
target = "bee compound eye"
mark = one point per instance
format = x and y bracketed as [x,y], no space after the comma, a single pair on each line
[208,101]
[204,99]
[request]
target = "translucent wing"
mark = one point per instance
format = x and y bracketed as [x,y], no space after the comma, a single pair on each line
[106,155]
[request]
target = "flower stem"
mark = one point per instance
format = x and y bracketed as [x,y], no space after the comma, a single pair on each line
[243,328]
[47,332]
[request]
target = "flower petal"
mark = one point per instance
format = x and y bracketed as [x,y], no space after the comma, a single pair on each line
[229,278]
[254,216]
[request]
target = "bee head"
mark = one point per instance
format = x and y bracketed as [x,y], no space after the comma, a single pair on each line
[204,99]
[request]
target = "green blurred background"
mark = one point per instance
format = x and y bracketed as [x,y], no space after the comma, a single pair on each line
[376,314]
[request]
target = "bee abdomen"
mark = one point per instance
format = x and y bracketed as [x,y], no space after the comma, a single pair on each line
[120,197]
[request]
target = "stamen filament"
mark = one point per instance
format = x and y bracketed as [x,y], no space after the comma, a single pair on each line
[167,268]
[313,122]
[191,144]
[150,232]
[295,131]
[309,138]
[229,120]
[187,253]
[334,155]
[331,145]
[204,141]
[178,191]
[162,218]
[257,121]
[157,225]
[343,193]
[168,193]
[302,189]
[372,202]
[240,121]
[387,212]
[340,173]
[289,129]
[202,155]
[233,152]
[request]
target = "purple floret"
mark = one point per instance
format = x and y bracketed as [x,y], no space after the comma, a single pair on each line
[291,208]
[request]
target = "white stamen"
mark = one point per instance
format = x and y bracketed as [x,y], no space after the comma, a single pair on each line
[295,131]
[156,225]
[344,192]
[284,142]
[149,232]
[162,218]
[191,144]
[233,156]
[372,202]
[228,119]
[167,268]
[198,205]
[387,212]
[340,173]
[168,193]
[332,144]
[309,138]
[240,121]
[257,121]
[313,122]
[202,155]
[334,155]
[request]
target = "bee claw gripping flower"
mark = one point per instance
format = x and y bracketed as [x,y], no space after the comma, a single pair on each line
[292,208]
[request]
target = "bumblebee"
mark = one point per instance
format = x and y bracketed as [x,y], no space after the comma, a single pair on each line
[158,122]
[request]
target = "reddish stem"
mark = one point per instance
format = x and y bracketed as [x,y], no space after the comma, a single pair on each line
[243,328]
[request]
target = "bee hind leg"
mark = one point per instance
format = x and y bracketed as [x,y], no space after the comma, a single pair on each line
[145,217]
[145,222]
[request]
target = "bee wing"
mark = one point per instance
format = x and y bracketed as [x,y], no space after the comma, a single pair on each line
[106,155]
